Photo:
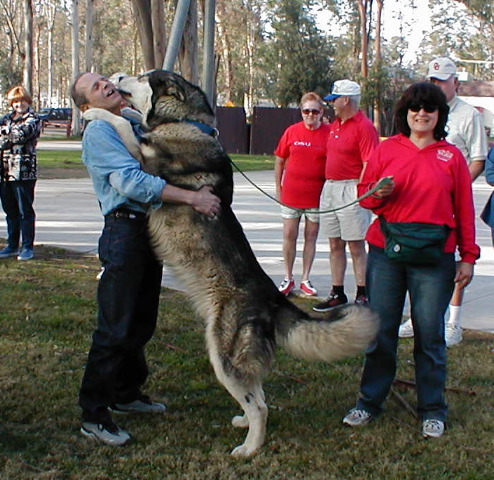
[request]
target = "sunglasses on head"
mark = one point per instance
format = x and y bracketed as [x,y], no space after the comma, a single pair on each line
[306,111]
[427,107]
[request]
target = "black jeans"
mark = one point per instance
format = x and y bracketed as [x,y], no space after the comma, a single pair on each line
[17,203]
[128,299]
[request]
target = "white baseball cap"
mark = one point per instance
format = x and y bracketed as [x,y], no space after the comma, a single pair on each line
[441,68]
[343,88]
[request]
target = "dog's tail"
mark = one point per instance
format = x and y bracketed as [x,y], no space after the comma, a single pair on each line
[346,331]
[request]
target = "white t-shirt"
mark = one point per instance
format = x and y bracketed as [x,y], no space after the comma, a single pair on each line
[466,130]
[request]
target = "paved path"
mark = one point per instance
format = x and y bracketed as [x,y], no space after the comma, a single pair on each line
[68,217]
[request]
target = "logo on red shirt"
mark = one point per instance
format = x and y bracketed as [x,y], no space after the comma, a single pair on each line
[444,155]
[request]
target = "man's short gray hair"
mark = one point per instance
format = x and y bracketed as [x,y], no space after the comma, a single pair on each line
[355,101]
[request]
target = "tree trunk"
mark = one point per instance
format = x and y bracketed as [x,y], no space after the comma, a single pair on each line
[226,55]
[89,36]
[28,46]
[187,57]
[151,28]
[142,9]
[76,130]
[378,65]
[364,39]
[51,14]
[159,36]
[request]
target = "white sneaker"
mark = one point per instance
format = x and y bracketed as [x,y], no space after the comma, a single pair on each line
[406,329]
[357,418]
[453,334]
[432,428]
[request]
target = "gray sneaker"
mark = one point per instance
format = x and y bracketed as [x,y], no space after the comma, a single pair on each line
[108,433]
[141,405]
[357,418]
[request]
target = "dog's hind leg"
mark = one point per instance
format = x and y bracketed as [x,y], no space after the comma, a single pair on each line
[250,396]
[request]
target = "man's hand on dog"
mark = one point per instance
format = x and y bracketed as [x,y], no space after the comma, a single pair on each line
[206,202]
[202,200]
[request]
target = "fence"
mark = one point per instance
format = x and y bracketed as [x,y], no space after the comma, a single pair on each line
[261,136]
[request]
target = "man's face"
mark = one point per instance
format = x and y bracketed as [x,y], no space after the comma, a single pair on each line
[447,86]
[339,105]
[100,92]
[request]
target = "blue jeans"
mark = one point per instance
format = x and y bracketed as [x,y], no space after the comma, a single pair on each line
[17,202]
[430,289]
[128,300]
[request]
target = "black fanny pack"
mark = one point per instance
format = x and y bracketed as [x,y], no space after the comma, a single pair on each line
[414,243]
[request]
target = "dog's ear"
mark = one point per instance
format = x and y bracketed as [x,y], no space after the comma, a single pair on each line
[167,84]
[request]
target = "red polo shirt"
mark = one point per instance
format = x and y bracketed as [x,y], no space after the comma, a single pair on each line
[350,144]
[303,177]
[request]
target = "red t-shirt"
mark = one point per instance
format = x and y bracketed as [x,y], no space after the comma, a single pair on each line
[350,144]
[432,185]
[303,177]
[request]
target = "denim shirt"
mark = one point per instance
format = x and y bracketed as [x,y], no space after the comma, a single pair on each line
[118,179]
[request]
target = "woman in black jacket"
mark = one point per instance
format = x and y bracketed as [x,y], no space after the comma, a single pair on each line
[19,133]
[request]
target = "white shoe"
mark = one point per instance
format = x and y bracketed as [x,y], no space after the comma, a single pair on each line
[432,428]
[406,329]
[357,418]
[453,334]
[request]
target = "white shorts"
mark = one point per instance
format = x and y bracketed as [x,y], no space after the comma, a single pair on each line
[349,224]
[308,213]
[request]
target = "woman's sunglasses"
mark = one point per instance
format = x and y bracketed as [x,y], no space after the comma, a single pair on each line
[428,108]
[306,111]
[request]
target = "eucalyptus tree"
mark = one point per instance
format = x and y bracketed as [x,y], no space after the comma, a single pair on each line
[465,34]
[239,34]
[295,55]
[12,51]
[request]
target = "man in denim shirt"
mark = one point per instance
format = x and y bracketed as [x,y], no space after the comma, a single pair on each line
[129,288]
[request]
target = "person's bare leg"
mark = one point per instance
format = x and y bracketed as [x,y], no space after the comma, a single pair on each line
[290,234]
[359,259]
[337,260]
[310,238]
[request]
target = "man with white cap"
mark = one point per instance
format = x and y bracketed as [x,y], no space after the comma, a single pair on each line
[466,131]
[352,139]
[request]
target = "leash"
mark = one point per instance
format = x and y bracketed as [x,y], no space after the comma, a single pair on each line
[379,185]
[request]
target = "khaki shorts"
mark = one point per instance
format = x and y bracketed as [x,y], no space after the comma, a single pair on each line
[349,224]
[308,213]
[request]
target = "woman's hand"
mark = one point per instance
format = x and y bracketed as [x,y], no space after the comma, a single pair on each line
[464,274]
[387,189]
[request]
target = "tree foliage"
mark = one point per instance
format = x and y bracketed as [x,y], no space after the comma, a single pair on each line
[265,49]
[295,55]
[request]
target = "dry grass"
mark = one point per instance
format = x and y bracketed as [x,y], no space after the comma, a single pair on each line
[47,317]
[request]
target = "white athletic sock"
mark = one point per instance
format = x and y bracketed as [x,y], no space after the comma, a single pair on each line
[454,315]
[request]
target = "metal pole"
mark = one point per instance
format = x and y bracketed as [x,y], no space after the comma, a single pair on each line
[208,55]
[176,34]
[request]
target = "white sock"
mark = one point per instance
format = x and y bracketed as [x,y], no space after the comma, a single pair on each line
[454,315]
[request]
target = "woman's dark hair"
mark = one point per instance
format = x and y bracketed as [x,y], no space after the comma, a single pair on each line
[425,94]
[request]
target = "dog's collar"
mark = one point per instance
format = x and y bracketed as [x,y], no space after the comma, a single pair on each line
[205,128]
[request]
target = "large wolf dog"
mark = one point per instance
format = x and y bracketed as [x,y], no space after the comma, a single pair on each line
[246,316]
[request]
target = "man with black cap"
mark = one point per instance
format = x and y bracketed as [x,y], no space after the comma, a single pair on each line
[352,139]
[466,131]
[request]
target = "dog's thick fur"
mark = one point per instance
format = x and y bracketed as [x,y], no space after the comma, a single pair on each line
[246,316]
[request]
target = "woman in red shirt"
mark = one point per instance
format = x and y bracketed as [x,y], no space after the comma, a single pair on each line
[299,175]
[431,184]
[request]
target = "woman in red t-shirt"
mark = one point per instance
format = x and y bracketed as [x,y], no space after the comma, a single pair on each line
[299,175]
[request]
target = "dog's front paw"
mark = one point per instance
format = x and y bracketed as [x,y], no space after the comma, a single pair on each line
[243,451]
[240,421]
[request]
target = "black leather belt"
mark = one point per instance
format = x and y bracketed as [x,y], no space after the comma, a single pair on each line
[125,213]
